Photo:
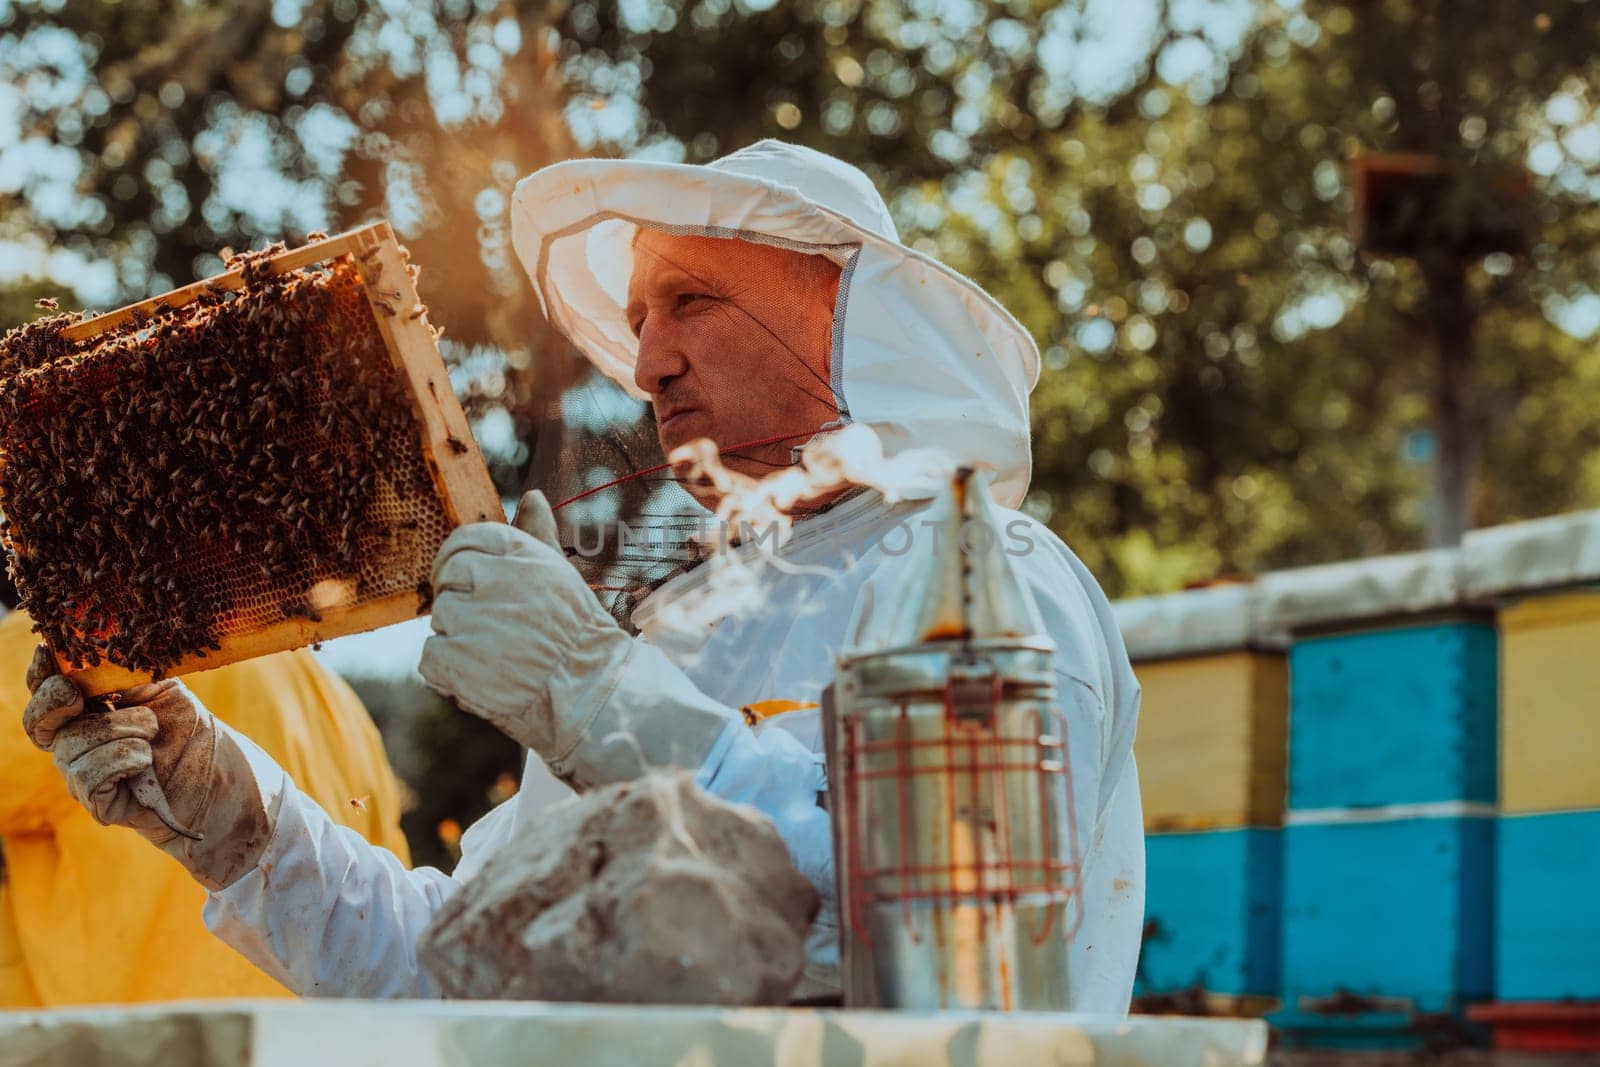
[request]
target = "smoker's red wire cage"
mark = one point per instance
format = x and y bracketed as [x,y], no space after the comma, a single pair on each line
[999,873]
[956,828]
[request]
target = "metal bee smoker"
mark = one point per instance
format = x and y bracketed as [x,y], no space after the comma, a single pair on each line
[955,842]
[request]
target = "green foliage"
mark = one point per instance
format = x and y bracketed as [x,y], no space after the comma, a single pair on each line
[454,766]
[1232,382]
[150,135]
[1162,191]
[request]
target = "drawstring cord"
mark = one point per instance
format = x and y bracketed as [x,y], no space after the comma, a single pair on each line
[658,468]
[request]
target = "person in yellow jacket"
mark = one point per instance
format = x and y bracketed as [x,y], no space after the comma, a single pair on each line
[92,914]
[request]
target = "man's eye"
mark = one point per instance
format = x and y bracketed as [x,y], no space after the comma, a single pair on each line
[686,299]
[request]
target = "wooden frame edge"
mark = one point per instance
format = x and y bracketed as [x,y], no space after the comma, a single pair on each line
[284,636]
[346,243]
[460,474]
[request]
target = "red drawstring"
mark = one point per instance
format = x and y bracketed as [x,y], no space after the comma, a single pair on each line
[663,466]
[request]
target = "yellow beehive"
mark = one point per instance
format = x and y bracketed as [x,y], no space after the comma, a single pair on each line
[1549,675]
[1210,747]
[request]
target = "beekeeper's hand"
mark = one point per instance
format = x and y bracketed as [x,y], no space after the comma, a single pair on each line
[156,761]
[520,640]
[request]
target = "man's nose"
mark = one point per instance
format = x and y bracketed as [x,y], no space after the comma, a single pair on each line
[660,360]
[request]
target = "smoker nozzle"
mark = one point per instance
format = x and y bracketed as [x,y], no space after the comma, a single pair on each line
[959,580]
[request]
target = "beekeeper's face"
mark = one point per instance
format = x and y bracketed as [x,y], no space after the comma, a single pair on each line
[734,342]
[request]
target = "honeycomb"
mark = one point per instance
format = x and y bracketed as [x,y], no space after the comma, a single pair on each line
[205,473]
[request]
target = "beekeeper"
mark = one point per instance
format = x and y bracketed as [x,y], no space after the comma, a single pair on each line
[762,298]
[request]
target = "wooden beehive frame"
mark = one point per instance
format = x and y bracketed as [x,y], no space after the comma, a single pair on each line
[460,476]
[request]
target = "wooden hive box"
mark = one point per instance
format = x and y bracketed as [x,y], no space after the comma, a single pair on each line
[1548,839]
[1389,832]
[1211,745]
[1384,920]
[1403,712]
[325,525]
[1211,920]
[1550,735]
[1210,753]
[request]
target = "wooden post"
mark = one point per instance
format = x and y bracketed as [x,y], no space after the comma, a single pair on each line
[1450,326]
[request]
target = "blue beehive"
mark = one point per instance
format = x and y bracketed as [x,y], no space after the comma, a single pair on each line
[1211,758]
[1388,866]
[1399,912]
[1548,874]
[1549,925]
[1403,715]
[1211,913]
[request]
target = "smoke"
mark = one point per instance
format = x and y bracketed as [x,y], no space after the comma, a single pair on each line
[832,462]
[755,517]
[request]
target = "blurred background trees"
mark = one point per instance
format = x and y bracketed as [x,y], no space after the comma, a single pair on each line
[140,139]
[1312,279]
[1163,192]
[1162,189]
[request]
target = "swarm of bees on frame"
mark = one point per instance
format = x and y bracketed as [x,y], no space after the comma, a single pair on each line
[213,468]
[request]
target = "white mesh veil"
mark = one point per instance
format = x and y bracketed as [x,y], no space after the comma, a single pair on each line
[919,353]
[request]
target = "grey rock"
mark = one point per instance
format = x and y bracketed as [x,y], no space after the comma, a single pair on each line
[649,891]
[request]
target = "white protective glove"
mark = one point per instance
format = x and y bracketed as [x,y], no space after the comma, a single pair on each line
[155,760]
[520,640]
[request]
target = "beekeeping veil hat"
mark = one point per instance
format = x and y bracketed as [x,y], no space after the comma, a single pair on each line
[920,353]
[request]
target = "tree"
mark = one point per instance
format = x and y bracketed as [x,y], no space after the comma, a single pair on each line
[1163,192]
[1233,383]
[152,134]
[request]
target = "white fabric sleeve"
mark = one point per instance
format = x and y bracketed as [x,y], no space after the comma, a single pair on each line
[1105,955]
[329,914]
[649,714]
[655,716]
[773,772]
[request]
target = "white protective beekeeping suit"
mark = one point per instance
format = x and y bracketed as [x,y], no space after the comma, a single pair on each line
[923,356]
